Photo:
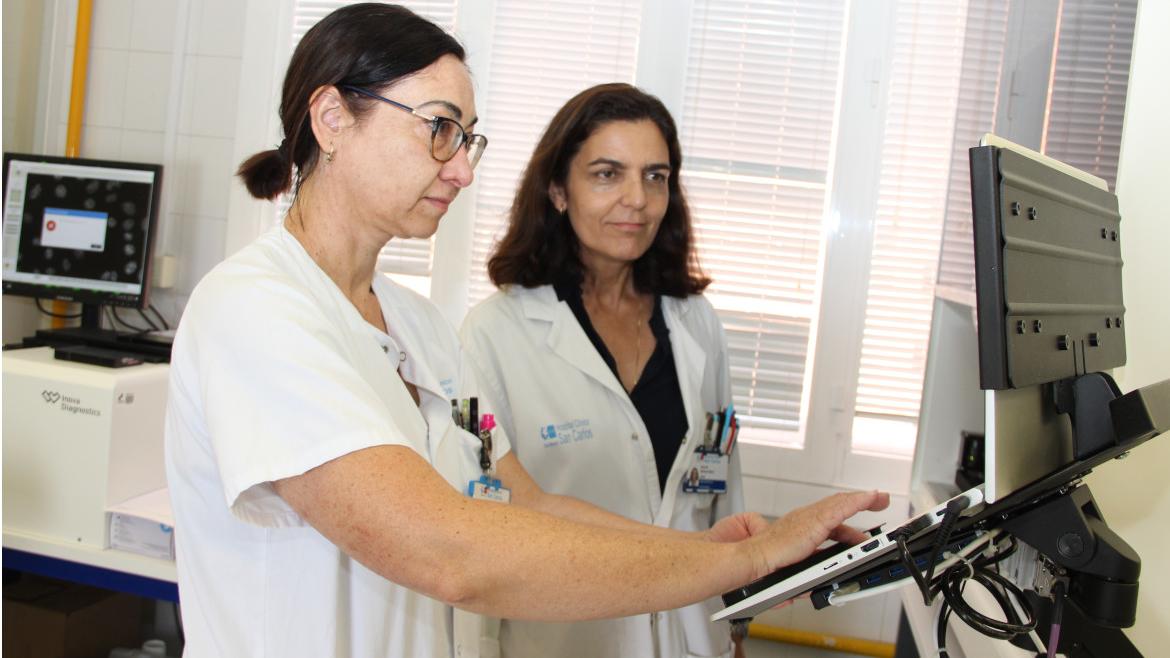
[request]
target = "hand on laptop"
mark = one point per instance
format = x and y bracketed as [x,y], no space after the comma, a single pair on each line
[795,535]
[737,527]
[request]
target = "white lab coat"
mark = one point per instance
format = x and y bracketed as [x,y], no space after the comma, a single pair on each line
[574,428]
[274,373]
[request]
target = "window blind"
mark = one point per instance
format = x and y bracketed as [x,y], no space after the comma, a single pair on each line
[542,55]
[1086,105]
[399,256]
[983,48]
[1085,114]
[916,157]
[757,127]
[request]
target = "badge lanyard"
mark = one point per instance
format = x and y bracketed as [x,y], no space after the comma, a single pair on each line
[709,463]
[465,414]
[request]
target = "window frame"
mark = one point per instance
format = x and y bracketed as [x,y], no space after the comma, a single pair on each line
[825,455]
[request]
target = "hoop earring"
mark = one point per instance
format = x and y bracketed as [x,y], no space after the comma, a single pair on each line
[329,153]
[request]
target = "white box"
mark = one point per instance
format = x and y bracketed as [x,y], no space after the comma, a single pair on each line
[78,439]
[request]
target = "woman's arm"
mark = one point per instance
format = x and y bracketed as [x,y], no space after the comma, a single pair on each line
[526,492]
[387,508]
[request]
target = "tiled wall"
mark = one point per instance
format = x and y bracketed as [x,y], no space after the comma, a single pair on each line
[163,82]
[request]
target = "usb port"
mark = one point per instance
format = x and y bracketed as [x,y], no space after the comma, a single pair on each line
[897,572]
[873,579]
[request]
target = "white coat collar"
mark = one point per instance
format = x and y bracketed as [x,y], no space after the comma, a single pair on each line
[565,337]
[394,300]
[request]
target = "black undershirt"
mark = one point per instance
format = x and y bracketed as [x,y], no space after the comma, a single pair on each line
[656,395]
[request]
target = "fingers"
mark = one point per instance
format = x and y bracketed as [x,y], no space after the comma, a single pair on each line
[848,535]
[881,500]
[834,510]
[796,534]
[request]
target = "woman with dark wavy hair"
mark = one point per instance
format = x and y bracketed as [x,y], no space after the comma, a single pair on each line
[608,366]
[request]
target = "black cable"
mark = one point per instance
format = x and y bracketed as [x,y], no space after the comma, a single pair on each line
[954,509]
[144,316]
[161,319]
[1057,615]
[940,639]
[952,591]
[117,319]
[942,536]
[952,584]
[55,315]
[179,624]
[908,562]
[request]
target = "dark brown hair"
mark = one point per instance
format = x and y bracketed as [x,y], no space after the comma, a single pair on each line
[540,247]
[369,45]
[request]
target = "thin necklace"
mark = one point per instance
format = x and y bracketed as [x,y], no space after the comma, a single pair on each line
[638,319]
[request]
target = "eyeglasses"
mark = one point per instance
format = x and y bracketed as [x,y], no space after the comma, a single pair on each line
[446,134]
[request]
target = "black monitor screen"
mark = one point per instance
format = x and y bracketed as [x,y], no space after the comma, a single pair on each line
[79,230]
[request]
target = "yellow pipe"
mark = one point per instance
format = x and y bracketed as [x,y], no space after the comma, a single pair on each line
[830,642]
[80,72]
[76,107]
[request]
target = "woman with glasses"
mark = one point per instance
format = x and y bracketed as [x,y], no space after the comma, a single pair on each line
[600,325]
[336,489]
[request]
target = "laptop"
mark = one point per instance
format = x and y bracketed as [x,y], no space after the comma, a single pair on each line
[831,562]
[891,570]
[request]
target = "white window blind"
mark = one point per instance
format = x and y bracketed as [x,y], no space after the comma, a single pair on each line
[983,48]
[916,156]
[401,256]
[757,126]
[542,55]
[1089,81]
[1086,105]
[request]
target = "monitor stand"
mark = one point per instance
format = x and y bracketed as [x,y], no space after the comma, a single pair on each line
[91,333]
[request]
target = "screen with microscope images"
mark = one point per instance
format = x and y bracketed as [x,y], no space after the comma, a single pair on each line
[86,228]
[78,225]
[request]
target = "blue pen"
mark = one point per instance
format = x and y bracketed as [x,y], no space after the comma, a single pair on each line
[725,432]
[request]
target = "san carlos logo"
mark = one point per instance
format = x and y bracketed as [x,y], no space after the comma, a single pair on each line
[571,431]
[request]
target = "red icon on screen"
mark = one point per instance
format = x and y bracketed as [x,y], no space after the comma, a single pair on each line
[50,225]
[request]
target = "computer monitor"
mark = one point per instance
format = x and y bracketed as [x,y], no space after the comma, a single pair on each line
[1048,298]
[1047,268]
[79,230]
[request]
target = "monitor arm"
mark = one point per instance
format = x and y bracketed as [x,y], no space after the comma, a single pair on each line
[1086,400]
[1102,569]
[1066,526]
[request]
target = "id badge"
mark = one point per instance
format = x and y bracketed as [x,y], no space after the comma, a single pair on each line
[708,473]
[486,488]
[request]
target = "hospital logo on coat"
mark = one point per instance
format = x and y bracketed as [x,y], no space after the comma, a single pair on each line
[567,432]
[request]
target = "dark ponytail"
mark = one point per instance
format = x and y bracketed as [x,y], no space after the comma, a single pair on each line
[266,174]
[368,45]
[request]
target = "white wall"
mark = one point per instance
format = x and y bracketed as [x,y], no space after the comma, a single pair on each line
[163,77]
[23,28]
[1134,494]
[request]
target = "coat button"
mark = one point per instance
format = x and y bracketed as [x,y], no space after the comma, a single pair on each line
[634,436]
